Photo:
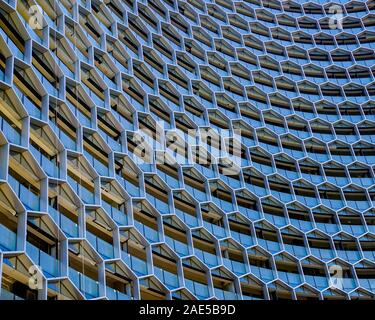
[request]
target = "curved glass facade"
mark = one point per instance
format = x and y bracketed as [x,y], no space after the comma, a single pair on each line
[187,149]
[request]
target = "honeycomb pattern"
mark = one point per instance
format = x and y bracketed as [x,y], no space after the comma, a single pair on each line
[85,83]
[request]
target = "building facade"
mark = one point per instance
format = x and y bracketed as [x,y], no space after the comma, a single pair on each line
[187,149]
